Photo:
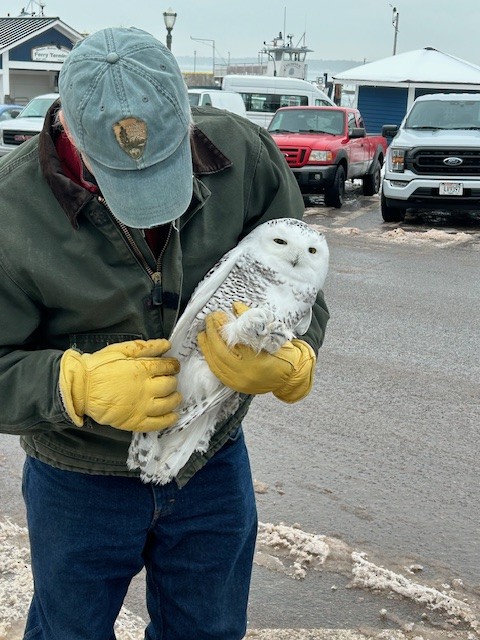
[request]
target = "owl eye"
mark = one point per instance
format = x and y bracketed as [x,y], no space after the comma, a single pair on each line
[280,241]
[312,250]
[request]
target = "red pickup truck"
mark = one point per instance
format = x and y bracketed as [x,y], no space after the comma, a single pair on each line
[324,146]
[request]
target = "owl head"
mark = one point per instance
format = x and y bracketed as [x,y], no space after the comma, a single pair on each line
[292,248]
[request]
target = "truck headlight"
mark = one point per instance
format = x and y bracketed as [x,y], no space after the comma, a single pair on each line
[398,160]
[320,156]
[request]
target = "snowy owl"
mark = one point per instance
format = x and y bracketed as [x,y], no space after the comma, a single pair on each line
[277,271]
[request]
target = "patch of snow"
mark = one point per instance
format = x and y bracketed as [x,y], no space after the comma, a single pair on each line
[16,588]
[289,549]
[434,237]
[279,548]
[367,574]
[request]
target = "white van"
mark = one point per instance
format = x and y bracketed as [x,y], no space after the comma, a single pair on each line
[228,100]
[263,95]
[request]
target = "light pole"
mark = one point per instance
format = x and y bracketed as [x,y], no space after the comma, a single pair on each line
[169,18]
[212,44]
[395,17]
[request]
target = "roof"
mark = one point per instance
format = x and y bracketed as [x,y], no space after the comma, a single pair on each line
[421,66]
[14,30]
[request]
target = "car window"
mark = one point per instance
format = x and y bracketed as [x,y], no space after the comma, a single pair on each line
[351,121]
[37,108]
[308,121]
[9,114]
[193,98]
[271,102]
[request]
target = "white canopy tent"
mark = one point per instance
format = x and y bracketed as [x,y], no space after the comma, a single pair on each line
[421,68]
[383,90]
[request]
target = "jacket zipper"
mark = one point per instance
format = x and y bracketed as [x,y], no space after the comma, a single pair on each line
[156,275]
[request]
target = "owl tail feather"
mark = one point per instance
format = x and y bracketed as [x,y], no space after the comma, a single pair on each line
[160,455]
[169,454]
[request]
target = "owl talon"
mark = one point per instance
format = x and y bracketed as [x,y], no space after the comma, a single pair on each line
[257,329]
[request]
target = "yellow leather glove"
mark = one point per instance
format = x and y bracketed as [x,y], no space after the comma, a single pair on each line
[126,385]
[287,373]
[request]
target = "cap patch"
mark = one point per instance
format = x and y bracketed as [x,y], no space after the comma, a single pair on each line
[131,135]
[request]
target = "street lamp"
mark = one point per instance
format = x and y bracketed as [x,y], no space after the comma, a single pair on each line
[169,18]
[395,18]
[212,44]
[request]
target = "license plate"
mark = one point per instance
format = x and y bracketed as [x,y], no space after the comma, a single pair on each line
[451,189]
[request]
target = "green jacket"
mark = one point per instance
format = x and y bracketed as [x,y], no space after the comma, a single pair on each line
[71,276]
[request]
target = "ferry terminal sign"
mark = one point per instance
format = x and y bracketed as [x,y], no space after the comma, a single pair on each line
[50,53]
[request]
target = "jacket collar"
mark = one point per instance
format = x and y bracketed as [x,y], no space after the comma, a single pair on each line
[207,159]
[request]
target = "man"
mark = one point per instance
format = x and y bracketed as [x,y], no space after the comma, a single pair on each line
[108,221]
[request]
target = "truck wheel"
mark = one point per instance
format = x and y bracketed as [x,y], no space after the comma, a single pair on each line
[391,214]
[371,181]
[335,194]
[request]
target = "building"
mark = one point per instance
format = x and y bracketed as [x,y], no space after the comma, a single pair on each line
[32,52]
[385,89]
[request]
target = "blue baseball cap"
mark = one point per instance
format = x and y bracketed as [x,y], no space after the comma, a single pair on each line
[126,107]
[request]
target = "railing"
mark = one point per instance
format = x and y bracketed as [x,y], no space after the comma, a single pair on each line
[243,68]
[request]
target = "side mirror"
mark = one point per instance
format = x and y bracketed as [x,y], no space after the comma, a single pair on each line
[389,130]
[357,132]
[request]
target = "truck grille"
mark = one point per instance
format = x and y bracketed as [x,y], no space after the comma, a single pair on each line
[431,161]
[295,156]
[17,137]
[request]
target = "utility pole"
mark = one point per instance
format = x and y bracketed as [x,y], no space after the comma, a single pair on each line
[212,44]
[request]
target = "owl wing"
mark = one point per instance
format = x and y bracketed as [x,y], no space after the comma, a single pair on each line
[203,293]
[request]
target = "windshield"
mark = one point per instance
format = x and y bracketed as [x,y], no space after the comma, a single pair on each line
[37,108]
[308,121]
[444,114]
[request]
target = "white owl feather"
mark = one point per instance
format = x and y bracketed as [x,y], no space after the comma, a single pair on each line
[277,270]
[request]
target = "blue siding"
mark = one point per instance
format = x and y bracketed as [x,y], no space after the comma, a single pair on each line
[23,53]
[382,105]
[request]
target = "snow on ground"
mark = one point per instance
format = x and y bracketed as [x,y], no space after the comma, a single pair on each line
[280,548]
[369,575]
[436,237]
[344,634]
[16,588]
[293,551]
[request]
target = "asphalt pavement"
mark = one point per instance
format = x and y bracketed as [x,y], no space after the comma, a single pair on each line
[378,468]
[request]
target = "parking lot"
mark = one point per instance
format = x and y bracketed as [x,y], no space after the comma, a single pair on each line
[368,490]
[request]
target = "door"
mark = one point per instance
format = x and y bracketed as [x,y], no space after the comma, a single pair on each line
[358,150]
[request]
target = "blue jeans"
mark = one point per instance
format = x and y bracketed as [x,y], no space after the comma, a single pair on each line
[90,534]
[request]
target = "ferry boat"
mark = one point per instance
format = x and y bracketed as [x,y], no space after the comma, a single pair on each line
[286,59]
[278,58]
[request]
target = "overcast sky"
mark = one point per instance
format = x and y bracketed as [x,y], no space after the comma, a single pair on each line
[335,29]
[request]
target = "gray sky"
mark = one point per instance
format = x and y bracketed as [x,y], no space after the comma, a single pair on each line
[335,29]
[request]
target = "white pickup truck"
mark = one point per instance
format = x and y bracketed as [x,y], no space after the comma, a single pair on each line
[28,123]
[433,161]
